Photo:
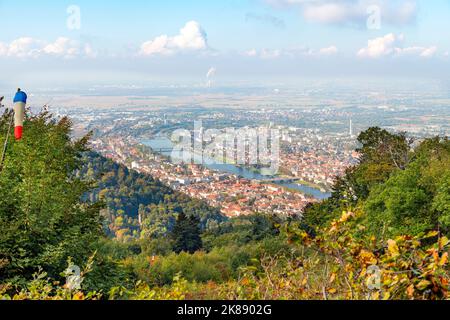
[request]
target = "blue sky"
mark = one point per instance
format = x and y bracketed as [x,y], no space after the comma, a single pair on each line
[137,41]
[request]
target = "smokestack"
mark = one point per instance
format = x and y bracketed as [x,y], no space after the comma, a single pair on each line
[209,76]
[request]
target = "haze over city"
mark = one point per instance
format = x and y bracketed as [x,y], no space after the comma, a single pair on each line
[83,43]
[225,150]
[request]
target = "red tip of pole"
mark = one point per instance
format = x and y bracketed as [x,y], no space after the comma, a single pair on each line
[18,132]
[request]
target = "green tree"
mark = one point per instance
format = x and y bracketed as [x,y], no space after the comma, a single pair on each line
[381,154]
[42,218]
[186,234]
[416,199]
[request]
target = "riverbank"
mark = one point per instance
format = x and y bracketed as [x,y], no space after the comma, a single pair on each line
[162,143]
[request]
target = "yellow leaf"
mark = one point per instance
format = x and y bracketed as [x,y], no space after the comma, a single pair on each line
[393,248]
[432,234]
[410,291]
[367,257]
[443,242]
[435,255]
[346,216]
[444,259]
[245,281]
[332,290]
[332,278]
[376,295]
[422,285]
[78,296]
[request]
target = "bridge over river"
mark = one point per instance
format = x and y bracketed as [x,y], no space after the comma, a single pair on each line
[164,146]
[278,180]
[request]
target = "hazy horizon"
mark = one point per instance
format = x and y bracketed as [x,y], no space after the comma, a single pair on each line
[67,44]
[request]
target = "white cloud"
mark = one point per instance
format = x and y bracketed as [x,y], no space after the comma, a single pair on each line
[89,51]
[63,47]
[27,47]
[251,53]
[24,47]
[160,45]
[191,38]
[3,49]
[329,51]
[380,47]
[352,12]
[429,52]
[327,12]
[270,54]
[392,44]
[291,53]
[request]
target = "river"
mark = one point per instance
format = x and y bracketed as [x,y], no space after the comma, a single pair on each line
[164,143]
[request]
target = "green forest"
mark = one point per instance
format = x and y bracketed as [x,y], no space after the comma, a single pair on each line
[137,206]
[75,225]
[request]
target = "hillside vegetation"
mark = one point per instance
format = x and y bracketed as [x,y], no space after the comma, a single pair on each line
[136,204]
[382,235]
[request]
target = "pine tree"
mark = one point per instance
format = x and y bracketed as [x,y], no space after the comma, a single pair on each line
[186,234]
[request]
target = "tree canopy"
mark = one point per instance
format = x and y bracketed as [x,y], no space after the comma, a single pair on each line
[186,234]
[43,220]
[402,189]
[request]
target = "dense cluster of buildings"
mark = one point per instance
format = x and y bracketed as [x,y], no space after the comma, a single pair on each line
[308,156]
[234,195]
[317,159]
